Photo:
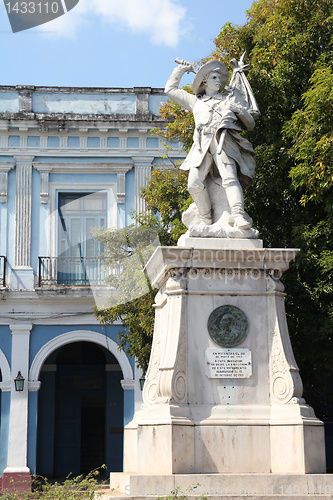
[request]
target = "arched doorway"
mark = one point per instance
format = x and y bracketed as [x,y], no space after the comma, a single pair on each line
[80,411]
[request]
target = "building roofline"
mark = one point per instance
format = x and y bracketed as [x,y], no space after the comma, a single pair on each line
[83,90]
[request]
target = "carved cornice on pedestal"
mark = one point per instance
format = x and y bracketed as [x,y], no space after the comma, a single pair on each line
[218,260]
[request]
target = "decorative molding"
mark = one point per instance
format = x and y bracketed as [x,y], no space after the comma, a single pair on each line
[21,328]
[44,182]
[123,142]
[6,386]
[145,160]
[142,142]
[5,167]
[25,99]
[4,142]
[127,385]
[83,142]
[286,383]
[75,168]
[24,159]
[121,188]
[34,386]
[177,279]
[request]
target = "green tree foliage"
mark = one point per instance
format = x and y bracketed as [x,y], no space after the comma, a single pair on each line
[167,198]
[126,251]
[289,45]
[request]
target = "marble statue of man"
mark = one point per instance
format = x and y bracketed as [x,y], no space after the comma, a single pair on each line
[218,150]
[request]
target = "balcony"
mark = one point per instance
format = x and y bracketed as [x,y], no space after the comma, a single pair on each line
[3,261]
[71,271]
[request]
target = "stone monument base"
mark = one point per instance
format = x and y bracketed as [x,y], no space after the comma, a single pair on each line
[222,391]
[223,439]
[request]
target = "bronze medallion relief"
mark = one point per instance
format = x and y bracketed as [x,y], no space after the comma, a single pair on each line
[228,326]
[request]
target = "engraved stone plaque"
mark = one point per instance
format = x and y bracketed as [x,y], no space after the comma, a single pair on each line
[228,326]
[228,363]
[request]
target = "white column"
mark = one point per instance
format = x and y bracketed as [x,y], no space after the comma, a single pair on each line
[18,423]
[142,175]
[22,276]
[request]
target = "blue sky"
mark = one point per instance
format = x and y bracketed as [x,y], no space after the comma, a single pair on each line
[114,43]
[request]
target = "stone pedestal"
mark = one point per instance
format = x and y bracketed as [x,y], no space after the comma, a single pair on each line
[225,417]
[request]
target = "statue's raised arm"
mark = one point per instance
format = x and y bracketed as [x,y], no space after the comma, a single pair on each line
[221,161]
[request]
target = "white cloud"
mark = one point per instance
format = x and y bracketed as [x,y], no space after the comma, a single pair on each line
[163,21]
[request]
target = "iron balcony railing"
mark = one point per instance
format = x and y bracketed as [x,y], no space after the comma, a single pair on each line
[82,271]
[3,262]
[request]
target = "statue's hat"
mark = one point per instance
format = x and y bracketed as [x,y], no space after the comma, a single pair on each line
[203,72]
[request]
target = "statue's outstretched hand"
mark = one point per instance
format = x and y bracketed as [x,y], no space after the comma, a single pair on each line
[186,66]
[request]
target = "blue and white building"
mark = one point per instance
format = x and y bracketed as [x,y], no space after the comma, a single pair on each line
[70,159]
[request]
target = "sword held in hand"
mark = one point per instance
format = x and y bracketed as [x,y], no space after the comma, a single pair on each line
[185,63]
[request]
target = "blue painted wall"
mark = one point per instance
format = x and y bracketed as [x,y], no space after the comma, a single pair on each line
[4,429]
[32,430]
[6,342]
[130,198]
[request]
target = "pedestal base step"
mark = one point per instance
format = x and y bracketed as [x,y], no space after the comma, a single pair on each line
[113,496]
[217,486]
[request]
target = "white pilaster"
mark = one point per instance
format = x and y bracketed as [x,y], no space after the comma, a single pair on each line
[142,175]
[23,211]
[22,276]
[18,423]
[4,142]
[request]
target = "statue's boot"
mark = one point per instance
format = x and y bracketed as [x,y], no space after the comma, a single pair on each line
[202,201]
[234,194]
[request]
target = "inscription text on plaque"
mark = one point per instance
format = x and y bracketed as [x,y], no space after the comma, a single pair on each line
[228,363]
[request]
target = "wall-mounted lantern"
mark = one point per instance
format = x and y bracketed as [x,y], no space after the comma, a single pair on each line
[19,382]
[142,381]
